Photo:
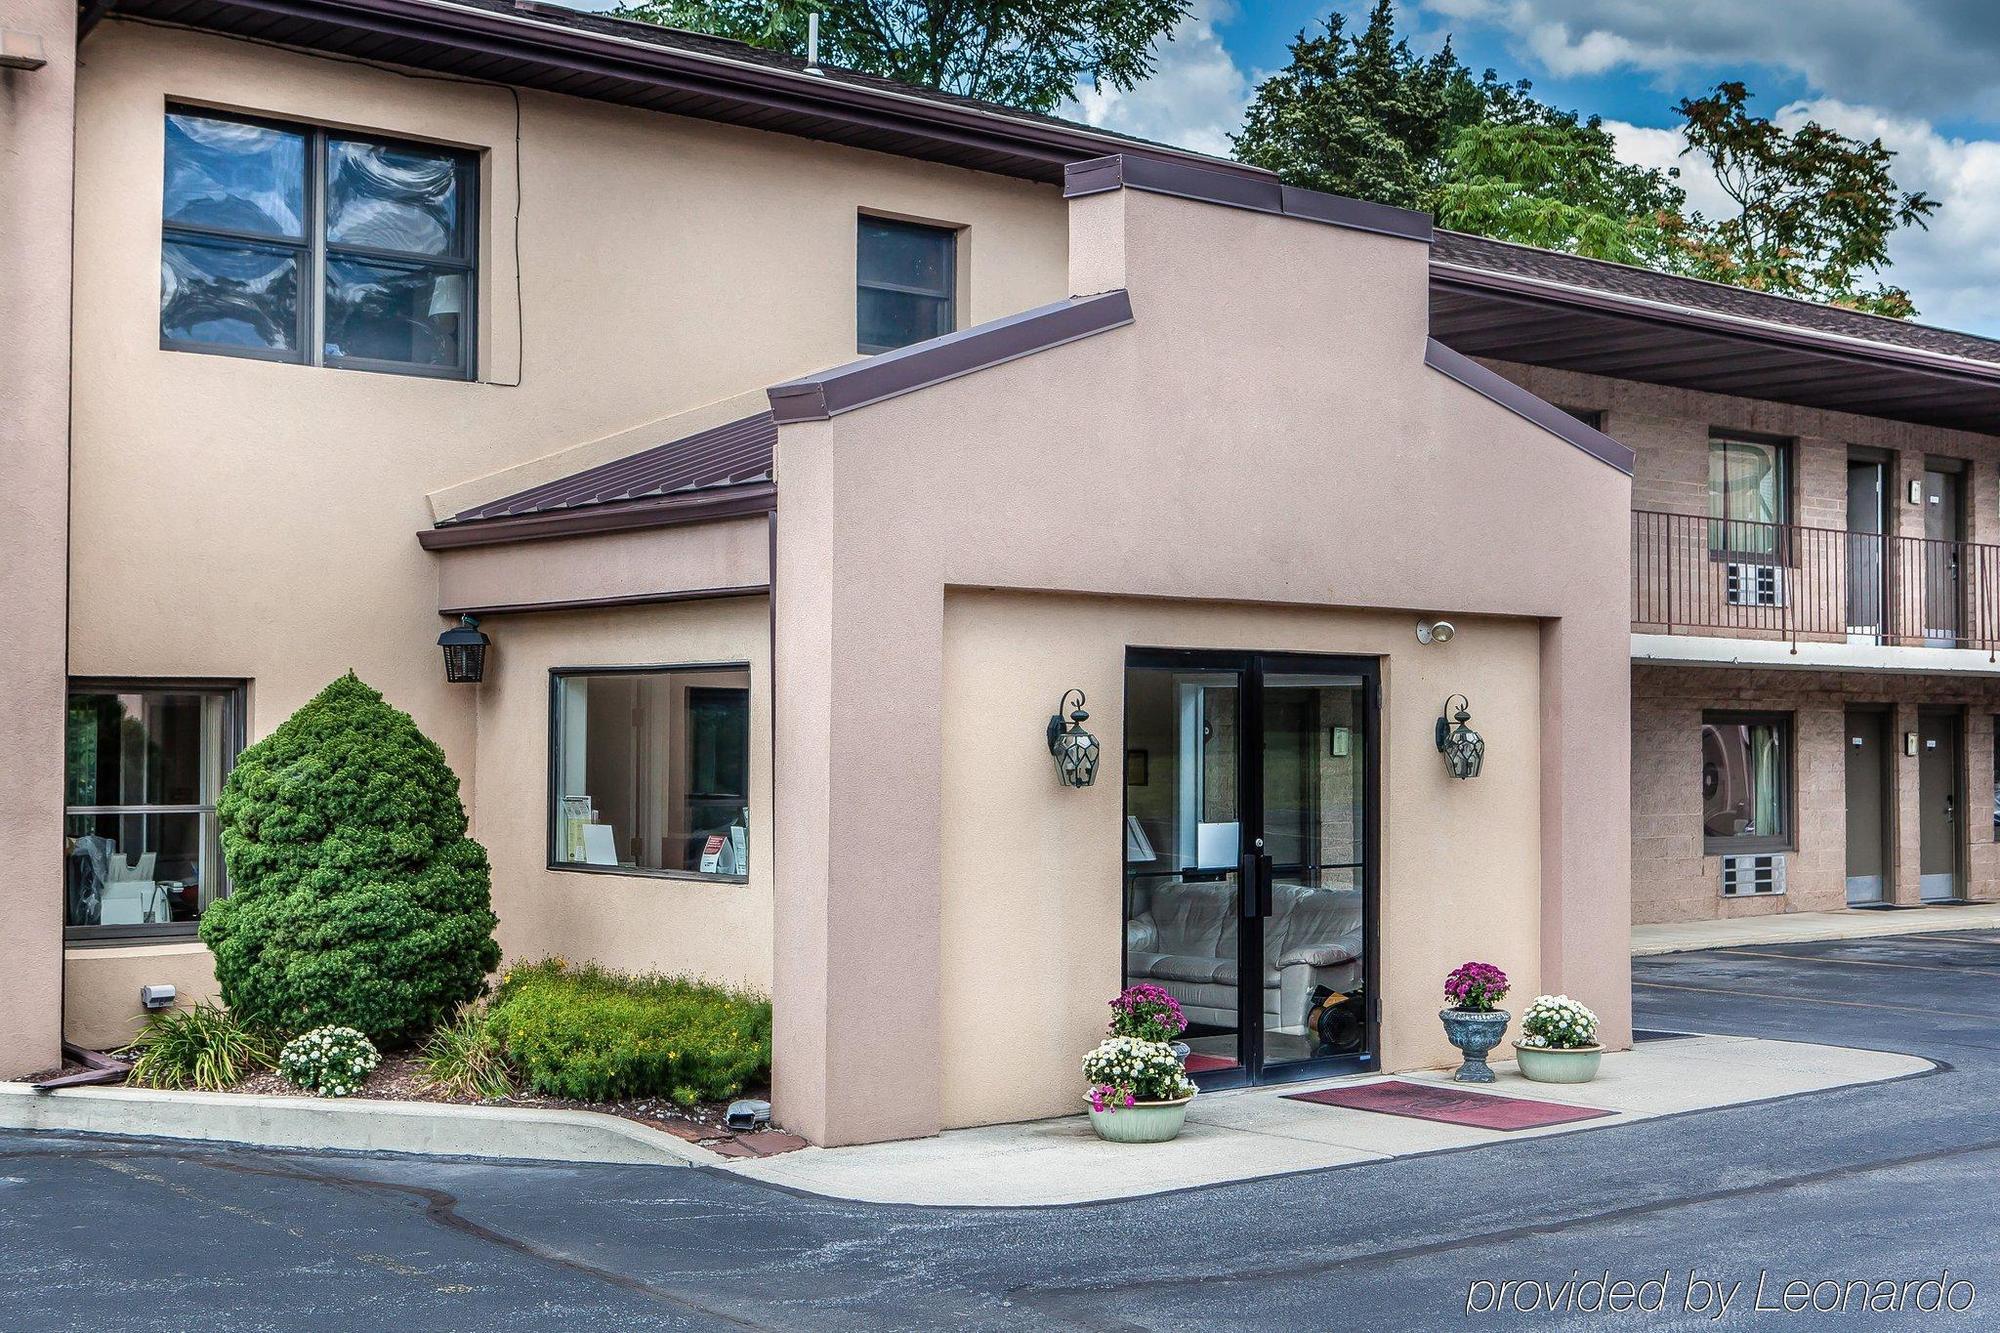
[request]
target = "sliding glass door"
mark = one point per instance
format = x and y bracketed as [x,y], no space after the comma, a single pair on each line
[1249,845]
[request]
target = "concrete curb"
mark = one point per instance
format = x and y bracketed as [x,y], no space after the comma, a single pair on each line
[359,1125]
[1809,927]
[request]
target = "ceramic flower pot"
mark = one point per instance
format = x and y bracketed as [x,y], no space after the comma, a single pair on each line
[1558,1064]
[1141,1122]
[1475,1032]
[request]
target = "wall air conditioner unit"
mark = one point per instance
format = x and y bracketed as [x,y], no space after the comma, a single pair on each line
[1761,875]
[1754,585]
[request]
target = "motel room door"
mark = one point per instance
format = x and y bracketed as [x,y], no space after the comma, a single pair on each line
[1250,836]
[1941,809]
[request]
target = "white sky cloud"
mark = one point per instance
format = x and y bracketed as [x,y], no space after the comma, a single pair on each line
[1195,98]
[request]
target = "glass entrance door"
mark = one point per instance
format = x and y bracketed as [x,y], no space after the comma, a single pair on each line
[1249,837]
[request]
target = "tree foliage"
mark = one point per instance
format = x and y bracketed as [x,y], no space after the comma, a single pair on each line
[356,898]
[1557,183]
[1024,53]
[1815,209]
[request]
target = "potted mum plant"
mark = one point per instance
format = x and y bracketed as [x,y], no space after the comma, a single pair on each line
[1558,1042]
[1474,1022]
[1138,1093]
[1147,1012]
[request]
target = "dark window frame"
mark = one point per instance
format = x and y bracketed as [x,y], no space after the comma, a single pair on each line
[552,790]
[1786,450]
[235,736]
[314,251]
[1787,839]
[948,294]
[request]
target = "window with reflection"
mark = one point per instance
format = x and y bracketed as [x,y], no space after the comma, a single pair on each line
[651,771]
[1749,496]
[907,275]
[144,766]
[1746,766]
[306,245]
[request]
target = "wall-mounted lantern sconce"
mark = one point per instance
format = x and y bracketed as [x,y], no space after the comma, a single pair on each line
[1435,631]
[1464,749]
[464,652]
[1076,751]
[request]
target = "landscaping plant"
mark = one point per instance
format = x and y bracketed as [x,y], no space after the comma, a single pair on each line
[464,1058]
[598,1035]
[1558,1023]
[1476,987]
[328,1061]
[356,897]
[1124,1071]
[1148,1013]
[203,1047]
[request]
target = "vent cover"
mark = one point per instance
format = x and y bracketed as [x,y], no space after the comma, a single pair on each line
[1753,876]
[1754,585]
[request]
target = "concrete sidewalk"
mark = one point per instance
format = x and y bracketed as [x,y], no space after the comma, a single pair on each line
[1259,1132]
[1799,927]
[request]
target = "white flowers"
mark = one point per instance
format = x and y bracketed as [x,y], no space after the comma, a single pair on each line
[328,1061]
[1556,1022]
[1125,1070]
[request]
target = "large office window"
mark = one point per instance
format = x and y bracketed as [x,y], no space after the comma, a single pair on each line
[907,274]
[144,767]
[1746,776]
[289,243]
[1749,494]
[651,771]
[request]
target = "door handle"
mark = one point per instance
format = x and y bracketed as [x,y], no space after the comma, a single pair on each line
[1948,816]
[1254,889]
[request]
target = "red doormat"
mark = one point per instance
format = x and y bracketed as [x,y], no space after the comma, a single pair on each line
[1423,1101]
[1200,1064]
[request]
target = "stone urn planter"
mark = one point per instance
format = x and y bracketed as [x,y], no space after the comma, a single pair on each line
[1558,1064]
[1475,1032]
[1141,1122]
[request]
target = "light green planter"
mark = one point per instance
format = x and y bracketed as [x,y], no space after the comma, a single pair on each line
[1551,1064]
[1142,1122]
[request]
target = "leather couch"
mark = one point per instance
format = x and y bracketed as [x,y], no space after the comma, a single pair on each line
[1183,938]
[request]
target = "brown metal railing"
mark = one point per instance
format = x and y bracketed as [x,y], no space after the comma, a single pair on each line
[1692,574]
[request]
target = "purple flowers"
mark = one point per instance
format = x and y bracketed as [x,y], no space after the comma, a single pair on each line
[1475,986]
[1148,1013]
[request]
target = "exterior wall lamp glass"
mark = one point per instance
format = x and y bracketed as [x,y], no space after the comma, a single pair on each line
[1464,749]
[464,652]
[1076,751]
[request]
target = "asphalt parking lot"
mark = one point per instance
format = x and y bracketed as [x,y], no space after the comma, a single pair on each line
[1883,1183]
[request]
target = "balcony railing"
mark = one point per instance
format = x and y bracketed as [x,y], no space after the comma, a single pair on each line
[1692,574]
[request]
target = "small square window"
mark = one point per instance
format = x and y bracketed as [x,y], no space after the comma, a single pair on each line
[906,275]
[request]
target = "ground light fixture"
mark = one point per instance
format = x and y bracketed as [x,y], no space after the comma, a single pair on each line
[1464,749]
[464,652]
[1076,751]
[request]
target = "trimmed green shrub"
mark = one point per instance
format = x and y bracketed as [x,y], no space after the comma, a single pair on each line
[597,1035]
[203,1047]
[356,898]
[464,1059]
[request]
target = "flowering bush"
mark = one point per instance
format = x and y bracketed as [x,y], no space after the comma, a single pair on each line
[1475,986]
[328,1062]
[1147,1013]
[1558,1023]
[1125,1070]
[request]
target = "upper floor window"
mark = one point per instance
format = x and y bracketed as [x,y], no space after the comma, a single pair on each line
[290,243]
[145,764]
[1749,495]
[908,283]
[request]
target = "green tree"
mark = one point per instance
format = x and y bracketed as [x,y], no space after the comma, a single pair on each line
[1815,209]
[1557,183]
[1363,115]
[1024,53]
[356,897]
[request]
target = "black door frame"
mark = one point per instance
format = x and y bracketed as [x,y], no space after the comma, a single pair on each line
[1251,667]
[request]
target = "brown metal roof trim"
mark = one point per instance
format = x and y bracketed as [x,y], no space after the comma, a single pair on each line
[1188,180]
[1524,404]
[656,512]
[639,64]
[892,374]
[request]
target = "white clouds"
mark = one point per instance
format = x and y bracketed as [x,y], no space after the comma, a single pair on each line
[1195,98]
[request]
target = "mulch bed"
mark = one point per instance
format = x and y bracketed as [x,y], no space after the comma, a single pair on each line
[400,1078]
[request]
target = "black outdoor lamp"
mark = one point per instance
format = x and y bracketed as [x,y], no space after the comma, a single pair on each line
[464,652]
[1464,749]
[1076,751]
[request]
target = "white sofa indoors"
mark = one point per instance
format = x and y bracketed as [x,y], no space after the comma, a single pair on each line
[1182,937]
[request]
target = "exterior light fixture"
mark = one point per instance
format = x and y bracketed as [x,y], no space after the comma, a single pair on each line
[21,50]
[464,652]
[1076,751]
[1435,631]
[1464,749]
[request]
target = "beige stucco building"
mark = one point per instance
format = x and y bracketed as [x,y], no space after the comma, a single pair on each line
[392,314]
